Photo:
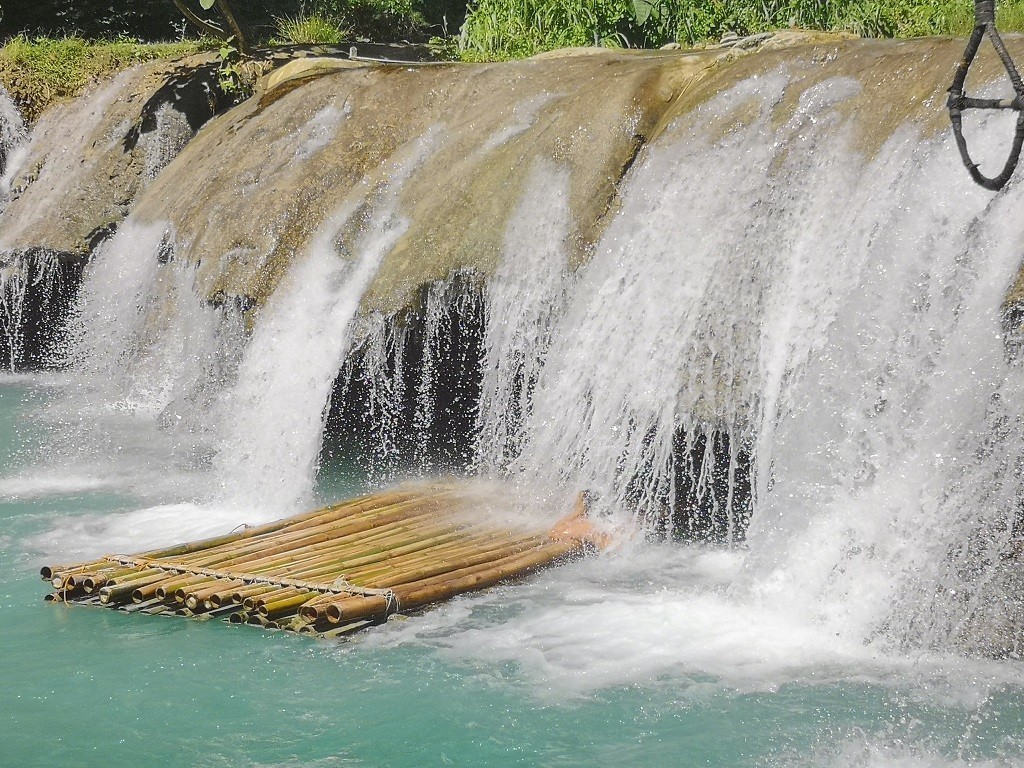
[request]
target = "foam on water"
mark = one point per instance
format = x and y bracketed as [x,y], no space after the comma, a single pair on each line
[85,536]
[864,750]
[39,485]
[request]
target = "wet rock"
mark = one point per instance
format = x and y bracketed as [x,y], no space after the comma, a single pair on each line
[88,159]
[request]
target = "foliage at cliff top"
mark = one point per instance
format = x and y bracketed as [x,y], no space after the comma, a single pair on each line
[40,71]
[156,20]
[504,29]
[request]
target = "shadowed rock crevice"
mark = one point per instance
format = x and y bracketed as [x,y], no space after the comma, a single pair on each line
[407,396]
[37,291]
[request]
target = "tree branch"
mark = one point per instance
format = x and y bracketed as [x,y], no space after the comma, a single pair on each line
[206,27]
[229,17]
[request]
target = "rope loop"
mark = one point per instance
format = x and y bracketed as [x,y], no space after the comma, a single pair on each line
[958,101]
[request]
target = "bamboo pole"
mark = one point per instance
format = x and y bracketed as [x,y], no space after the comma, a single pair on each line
[167,588]
[239,595]
[365,504]
[79,578]
[296,521]
[417,594]
[48,573]
[196,599]
[251,603]
[181,593]
[126,590]
[284,606]
[93,584]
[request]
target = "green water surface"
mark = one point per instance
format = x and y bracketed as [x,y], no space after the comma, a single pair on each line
[89,687]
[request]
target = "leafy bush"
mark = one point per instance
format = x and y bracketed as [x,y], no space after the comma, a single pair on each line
[298,30]
[372,19]
[502,29]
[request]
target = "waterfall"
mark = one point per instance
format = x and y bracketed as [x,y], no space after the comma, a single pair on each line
[277,410]
[837,315]
[778,336]
[13,133]
[524,296]
[48,166]
[35,275]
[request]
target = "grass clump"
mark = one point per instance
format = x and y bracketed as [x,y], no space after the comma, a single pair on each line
[39,71]
[373,19]
[310,29]
[505,29]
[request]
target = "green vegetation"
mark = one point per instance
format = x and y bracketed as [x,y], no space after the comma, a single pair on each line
[504,29]
[335,21]
[378,20]
[37,72]
[299,30]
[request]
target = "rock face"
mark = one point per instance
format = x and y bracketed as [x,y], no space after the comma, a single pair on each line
[303,148]
[321,133]
[317,135]
[87,160]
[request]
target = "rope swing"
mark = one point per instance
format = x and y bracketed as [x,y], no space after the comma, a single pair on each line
[985,24]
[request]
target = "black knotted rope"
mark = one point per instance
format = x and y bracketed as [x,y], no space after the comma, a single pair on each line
[985,24]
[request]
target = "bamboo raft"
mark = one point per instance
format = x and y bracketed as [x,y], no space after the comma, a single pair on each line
[327,572]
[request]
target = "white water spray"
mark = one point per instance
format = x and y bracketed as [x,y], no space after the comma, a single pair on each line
[269,455]
[837,315]
[524,296]
[13,133]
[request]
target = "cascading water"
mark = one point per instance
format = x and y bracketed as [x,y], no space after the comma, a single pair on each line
[38,273]
[48,161]
[839,314]
[12,135]
[269,453]
[782,341]
[524,297]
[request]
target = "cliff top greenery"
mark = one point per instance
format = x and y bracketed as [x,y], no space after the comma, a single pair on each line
[37,72]
[55,47]
[503,29]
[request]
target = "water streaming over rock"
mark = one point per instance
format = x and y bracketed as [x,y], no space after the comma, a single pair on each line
[13,133]
[782,337]
[277,410]
[839,317]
